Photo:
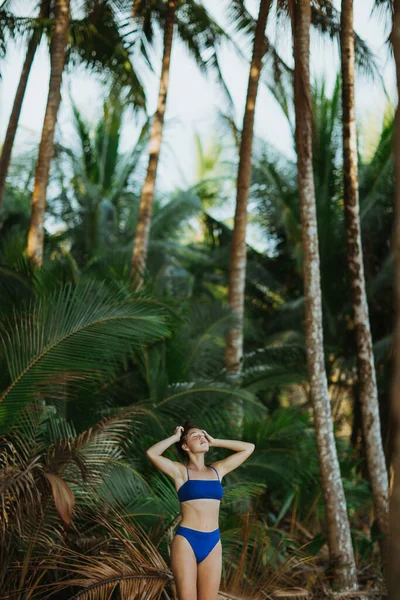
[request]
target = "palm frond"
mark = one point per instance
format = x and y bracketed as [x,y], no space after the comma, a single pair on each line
[203,36]
[135,568]
[326,19]
[205,333]
[377,173]
[245,24]
[128,163]
[68,337]
[74,465]
[98,41]
[169,217]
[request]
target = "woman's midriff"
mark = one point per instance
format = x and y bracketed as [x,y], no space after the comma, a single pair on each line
[200,514]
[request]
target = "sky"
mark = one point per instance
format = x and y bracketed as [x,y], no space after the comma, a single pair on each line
[194,100]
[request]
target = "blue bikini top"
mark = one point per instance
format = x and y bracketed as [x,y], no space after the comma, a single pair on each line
[194,489]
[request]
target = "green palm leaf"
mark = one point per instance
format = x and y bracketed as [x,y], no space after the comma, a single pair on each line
[73,335]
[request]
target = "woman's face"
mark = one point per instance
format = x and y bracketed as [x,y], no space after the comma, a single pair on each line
[196,441]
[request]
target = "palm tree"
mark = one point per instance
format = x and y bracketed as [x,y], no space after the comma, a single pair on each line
[95,40]
[393,578]
[325,19]
[97,207]
[19,97]
[237,268]
[57,52]
[201,34]
[146,201]
[368,392]
[197,14]
[98,42]
[340,544]
[278,215]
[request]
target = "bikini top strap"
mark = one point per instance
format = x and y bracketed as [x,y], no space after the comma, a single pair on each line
[215,471]
[187,471]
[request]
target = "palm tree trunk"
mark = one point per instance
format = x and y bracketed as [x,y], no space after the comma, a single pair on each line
[141,241]
[237,268]
[339,538]
[393,578]
[15,114]
[365,357]
[17,106]
[57,59]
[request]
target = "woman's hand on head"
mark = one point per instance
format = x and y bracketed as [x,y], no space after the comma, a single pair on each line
[178,432]
[209,438]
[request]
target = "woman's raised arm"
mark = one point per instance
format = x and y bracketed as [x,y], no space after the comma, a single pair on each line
[167,466]
[242,452]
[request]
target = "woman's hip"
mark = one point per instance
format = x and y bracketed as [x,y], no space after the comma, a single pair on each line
[201,542]
[197,532]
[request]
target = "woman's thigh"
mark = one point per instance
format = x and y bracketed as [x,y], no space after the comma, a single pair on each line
[184,568]
[209,574]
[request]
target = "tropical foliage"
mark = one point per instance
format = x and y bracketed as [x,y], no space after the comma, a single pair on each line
[94,370]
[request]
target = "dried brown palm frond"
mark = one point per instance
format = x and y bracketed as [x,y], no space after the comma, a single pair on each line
[134,539]
[28,477]
[291,594]
[119,555]
[130,587]
[36,479]
[25,488]
[64,498]
[99,577]
[19,576]
[20,488]
[130,563]
[247,574]
[39,484]
[104,584]
[92,449]
[288,594]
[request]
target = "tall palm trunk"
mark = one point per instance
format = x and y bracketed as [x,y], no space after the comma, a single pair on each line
[394,510]
[365,357]
[339,538]
[237,268]
[57,59]
[17,106]
[141,241]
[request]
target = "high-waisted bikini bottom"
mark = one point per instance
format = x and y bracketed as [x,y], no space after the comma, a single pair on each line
[202,542]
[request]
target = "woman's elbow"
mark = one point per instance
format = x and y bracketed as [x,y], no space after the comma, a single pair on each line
[149,454]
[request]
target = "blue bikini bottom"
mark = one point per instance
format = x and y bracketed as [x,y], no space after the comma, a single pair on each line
[202,542]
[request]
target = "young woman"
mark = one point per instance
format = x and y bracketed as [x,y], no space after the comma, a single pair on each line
[196,551]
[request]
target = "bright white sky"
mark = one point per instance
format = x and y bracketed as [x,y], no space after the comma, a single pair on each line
[193,100]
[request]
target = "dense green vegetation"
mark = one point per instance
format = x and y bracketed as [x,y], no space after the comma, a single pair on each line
[93,370]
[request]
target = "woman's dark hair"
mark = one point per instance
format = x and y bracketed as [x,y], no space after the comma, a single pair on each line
[178,445]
